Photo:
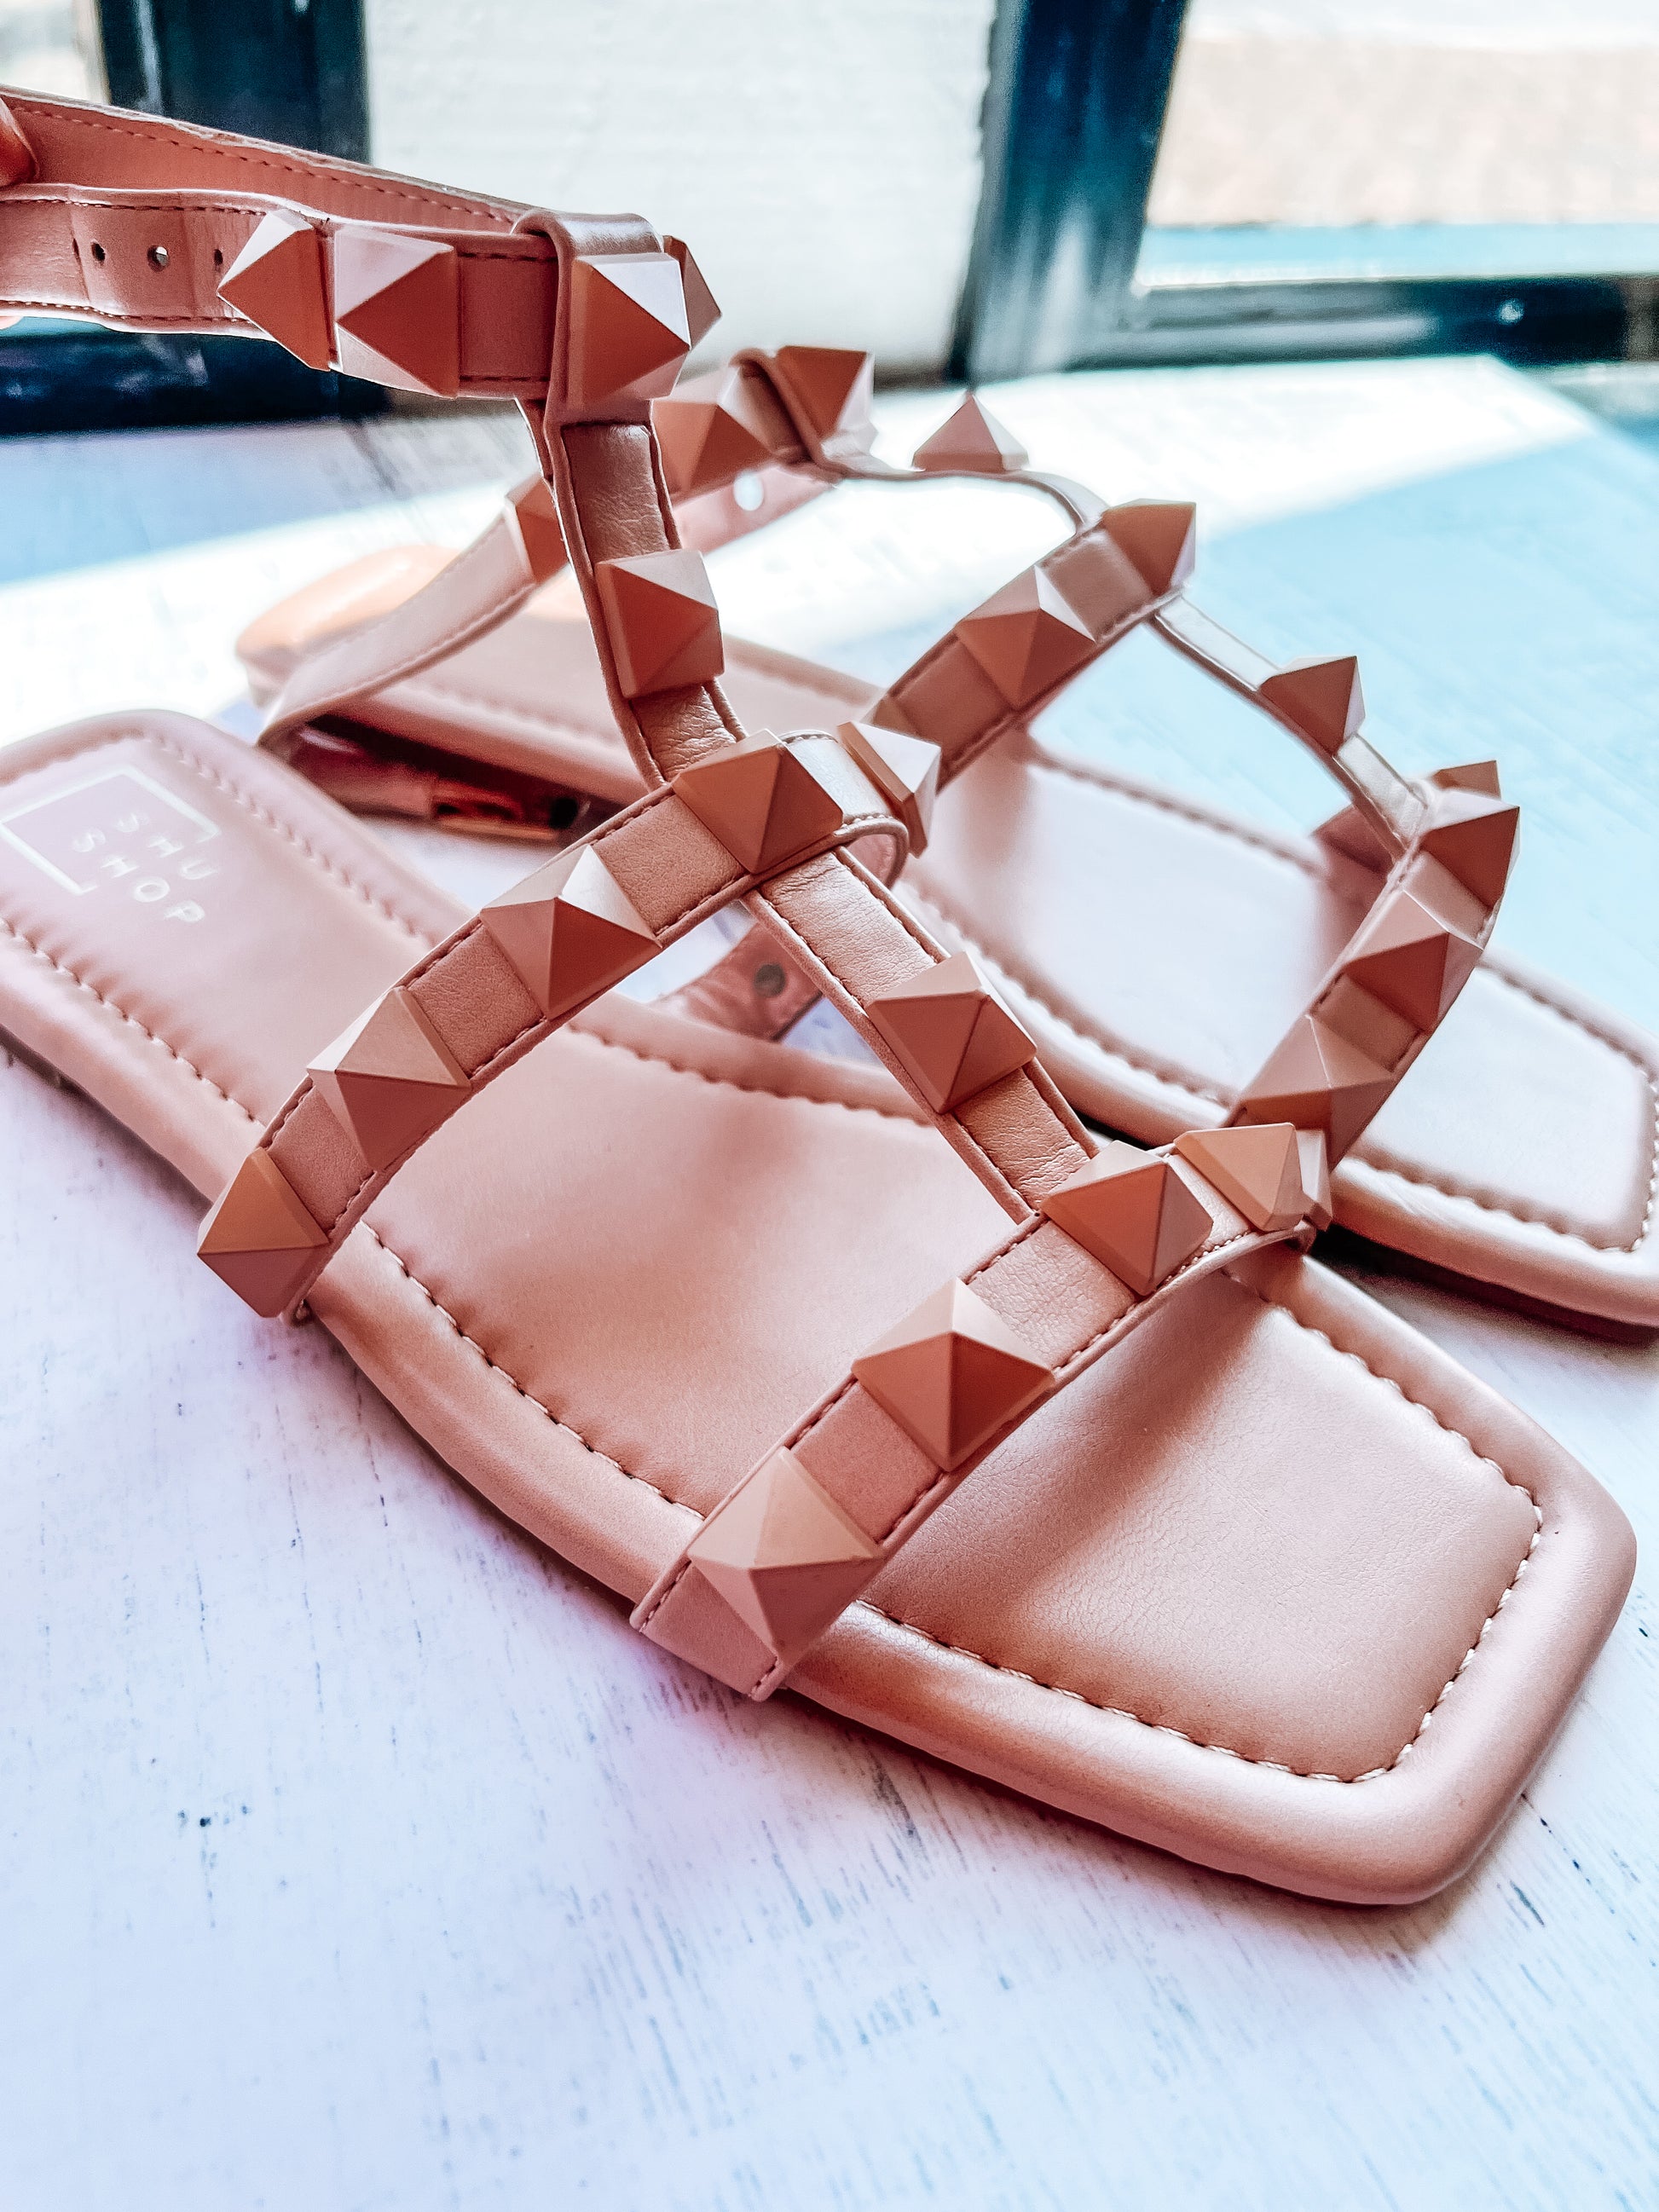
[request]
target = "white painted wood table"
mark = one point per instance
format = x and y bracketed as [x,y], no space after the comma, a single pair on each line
[358,1858]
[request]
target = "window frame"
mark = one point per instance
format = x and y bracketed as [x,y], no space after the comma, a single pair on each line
[1074,114]
[1074,110]
[270,69]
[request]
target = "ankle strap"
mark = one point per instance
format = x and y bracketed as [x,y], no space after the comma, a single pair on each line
[152,225]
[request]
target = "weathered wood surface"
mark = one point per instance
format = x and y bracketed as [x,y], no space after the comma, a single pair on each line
[356,1854]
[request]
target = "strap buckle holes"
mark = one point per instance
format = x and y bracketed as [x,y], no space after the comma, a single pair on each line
[157,257]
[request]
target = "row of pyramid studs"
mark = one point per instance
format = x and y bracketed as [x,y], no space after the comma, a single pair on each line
[394,314]
[952,1373]
[716,426]
[1028,637]
[1406,966]
[569,930]
[787,1557]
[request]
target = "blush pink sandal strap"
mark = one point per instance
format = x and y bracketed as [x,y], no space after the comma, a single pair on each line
[749,1597]
[152,225]
[464,1013]
[520,550]
[804,1532]
[792,424]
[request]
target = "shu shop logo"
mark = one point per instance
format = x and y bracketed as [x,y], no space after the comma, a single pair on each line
[122,832]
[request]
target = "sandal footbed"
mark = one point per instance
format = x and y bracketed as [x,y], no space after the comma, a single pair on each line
[1277,1586]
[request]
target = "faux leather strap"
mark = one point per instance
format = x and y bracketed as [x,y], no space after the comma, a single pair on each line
[519,550]
[858,944]
[754,419]
[139,223]
[62,143]
[807,1530]
[1003,662]
[158,225]
[795,1542]
[462,1013]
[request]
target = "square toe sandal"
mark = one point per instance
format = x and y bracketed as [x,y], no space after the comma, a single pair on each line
[1061,1461]
[414,665]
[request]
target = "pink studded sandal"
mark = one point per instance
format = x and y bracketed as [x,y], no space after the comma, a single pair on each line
[1240,1564]
[1037,850]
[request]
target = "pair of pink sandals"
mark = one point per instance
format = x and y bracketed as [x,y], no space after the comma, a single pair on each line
[1240,1564]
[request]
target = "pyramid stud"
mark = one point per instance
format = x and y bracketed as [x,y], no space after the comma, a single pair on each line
[259,1238]
[1317,1079]
[951,1374]
[661,620]
[1315,1175]
[1026,638]
[949,1032]
[784,1556]
[569,930]
[904,769]
[1415,963]
[832,386]
[391,1079]
[761,800]
[711,429]
[702,308]
[1472,838]
[277,283]
[971,440]
[629,331]
[1135,1215]
[396,311]
[1258,1169]
[1470,775]
[1157,537]
[530,509]
[1320,699]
